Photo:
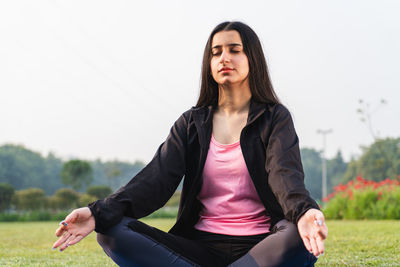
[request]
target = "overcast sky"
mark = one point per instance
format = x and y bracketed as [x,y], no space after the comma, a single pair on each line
[107,79]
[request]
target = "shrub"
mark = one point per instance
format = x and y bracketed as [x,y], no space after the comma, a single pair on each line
[6,194]
[9,217]
[33,216]
[30,199]
[64,198]
[388,205]
[336,208]
[364,199]
[85,199]
[99,191]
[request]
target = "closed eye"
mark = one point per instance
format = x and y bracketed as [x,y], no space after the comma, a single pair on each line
[219,53]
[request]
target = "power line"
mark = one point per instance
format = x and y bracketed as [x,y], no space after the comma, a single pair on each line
[104,52]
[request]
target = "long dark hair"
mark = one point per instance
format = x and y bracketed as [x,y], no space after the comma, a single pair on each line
[259,80]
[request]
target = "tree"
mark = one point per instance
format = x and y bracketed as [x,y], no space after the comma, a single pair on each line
[312,161]
[6,194]
[366,116]
[20,167]
[112,171]
[336,169]
[85,199]
[23,168]
[372,164]
[99,191]
[77,173]
[53,170]
[65,198]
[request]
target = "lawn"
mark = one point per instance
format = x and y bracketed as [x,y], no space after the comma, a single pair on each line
[350,243]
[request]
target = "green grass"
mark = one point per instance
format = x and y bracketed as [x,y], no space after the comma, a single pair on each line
[350,243]
[362,243]
[29,244]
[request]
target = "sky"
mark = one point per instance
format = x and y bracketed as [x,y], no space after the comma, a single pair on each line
[107,79]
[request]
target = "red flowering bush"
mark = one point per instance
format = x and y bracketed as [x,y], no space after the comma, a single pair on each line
[364,199]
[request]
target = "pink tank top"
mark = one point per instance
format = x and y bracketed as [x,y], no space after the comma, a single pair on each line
[231,205]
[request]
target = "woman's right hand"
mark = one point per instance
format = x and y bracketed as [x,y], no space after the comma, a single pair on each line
[78,224]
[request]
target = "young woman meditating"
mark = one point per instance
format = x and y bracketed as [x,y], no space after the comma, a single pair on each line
[243,200]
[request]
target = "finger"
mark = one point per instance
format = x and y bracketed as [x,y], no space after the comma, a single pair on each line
[71,218]
[319,219]
[307,244]
[323,232]
[60,230]
[314,246]
[75,240]
[320,245]
[61,240]
[66,243]
[319,222]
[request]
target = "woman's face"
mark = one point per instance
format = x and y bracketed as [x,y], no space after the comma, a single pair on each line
[229,63]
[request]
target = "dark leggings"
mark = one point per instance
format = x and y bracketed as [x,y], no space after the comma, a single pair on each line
[133,243]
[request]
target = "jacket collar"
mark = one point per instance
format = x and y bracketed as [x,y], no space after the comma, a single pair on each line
[202,117]
[256,110]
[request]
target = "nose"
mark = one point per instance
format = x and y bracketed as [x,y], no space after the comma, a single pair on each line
[225,57]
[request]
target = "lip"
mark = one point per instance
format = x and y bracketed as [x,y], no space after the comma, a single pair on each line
[225,69]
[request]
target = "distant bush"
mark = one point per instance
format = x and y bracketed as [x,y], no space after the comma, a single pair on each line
[33,205]
[45,215]
[32,216]
[364,199]
[64,198]
[85,199]
[99,191]
[30,199]
[6,194]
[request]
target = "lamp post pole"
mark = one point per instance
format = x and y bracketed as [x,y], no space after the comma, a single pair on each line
[324,172]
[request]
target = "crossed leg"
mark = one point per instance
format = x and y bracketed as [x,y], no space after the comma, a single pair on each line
[283,247]
[133,243]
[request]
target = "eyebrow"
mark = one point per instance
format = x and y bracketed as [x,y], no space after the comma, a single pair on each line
[231,45]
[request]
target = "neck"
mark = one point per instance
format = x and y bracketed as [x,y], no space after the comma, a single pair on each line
[234,99]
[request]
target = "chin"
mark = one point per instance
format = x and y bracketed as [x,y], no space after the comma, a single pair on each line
[226,81]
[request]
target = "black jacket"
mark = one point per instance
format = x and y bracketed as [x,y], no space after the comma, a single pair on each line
[270,148]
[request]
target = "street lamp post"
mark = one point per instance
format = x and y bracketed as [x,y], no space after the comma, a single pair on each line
[324,172]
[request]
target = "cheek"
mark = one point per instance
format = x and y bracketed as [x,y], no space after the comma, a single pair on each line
[245,66]
[214,68]
[212,65]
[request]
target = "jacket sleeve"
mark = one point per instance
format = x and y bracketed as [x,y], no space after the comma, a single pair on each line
[151,188]
[284,167]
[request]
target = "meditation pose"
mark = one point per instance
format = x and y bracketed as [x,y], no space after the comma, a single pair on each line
[243,201]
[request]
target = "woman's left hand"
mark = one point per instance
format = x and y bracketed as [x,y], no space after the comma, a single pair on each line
[313,231]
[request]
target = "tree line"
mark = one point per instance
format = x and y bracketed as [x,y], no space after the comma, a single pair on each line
[379,161]
[22,168]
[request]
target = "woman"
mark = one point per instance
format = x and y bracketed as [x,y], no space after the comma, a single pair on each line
[243,200]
